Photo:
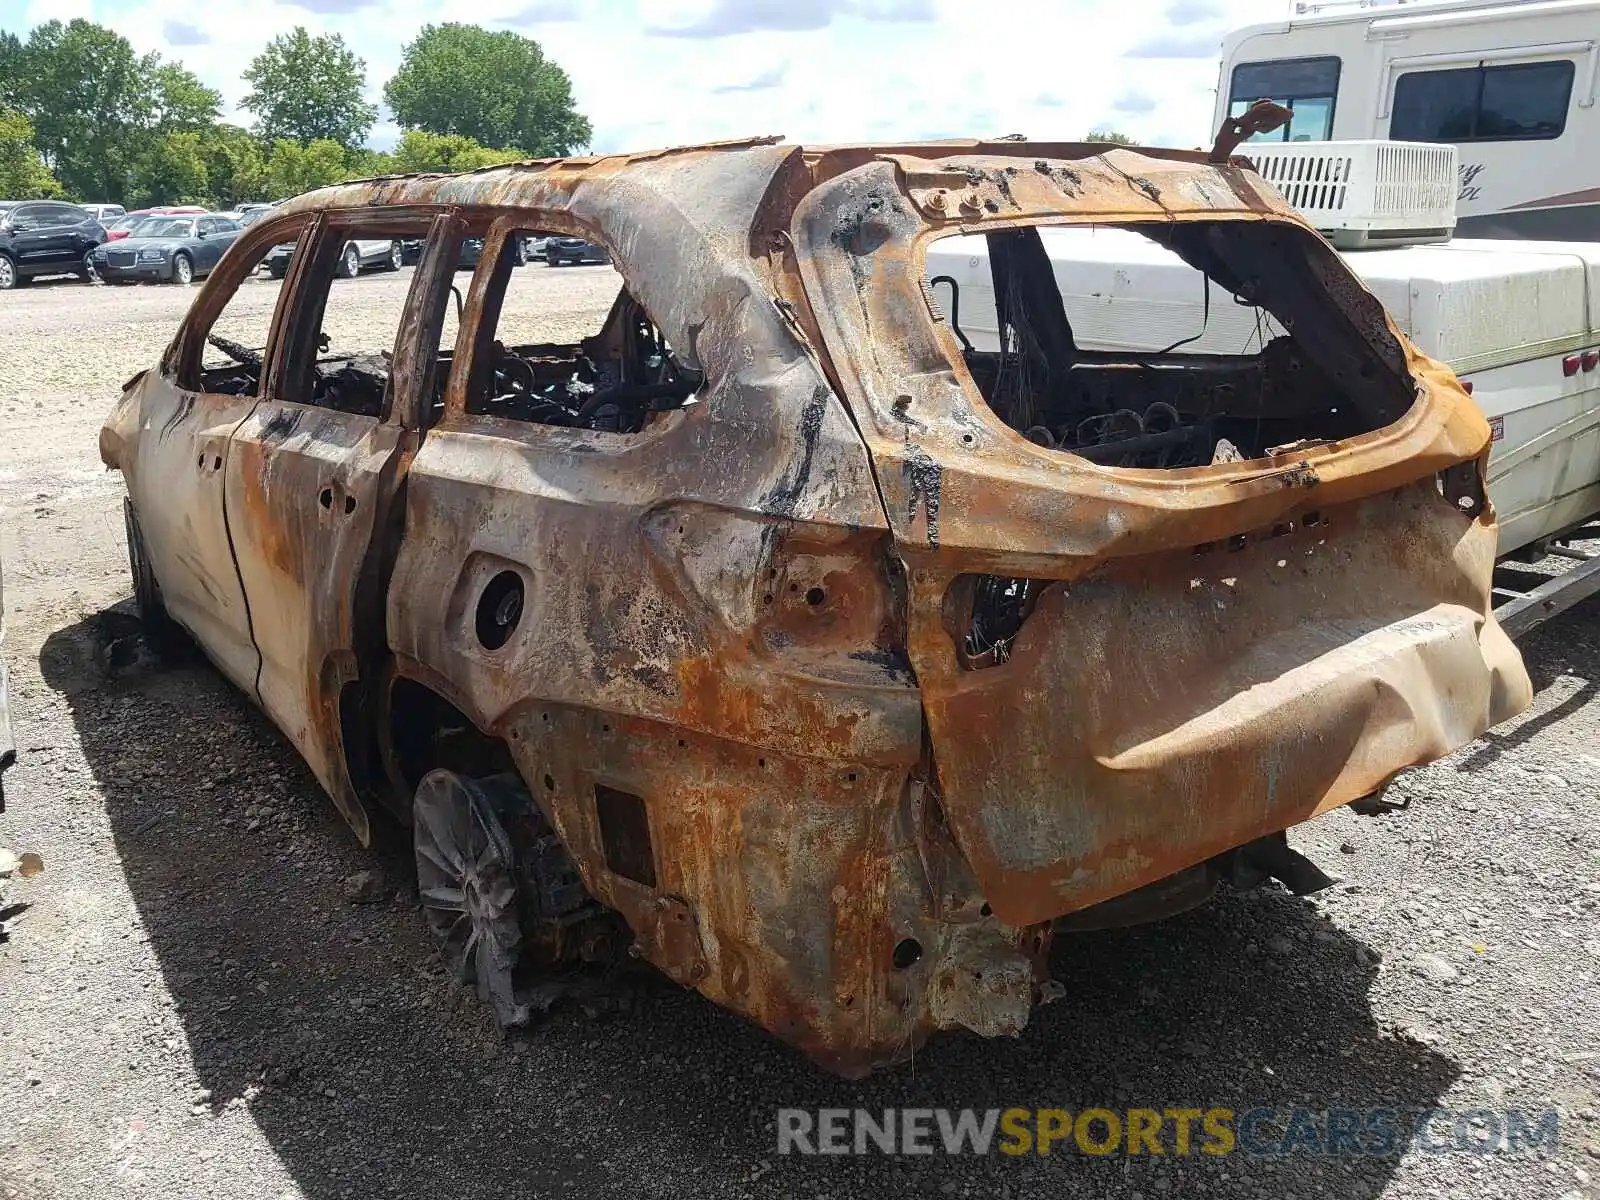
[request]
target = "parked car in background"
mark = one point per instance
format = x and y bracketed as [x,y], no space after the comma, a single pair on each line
[356,257]
[471,252]
[122,226]
[104,213]
[46,237]
[175,249]
[249,214]
[558,250]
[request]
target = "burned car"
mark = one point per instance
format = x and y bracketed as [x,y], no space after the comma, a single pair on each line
[752,635]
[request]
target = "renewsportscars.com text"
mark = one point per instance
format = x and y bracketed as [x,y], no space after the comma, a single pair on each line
[1261,1131]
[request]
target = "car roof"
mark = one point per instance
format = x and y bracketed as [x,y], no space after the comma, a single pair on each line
[762,181]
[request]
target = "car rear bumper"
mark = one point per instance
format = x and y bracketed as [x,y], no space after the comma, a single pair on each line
[1172,707]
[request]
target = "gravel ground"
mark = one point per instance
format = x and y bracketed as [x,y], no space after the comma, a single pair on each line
[191,1006]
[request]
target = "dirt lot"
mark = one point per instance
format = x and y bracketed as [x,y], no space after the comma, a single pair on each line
[191,1006]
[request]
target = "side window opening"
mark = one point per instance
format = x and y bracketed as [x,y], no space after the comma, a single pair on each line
[1308,87]
[346,323]
[571,348]
[445,352]
[1507,102]
[235,346]
[1164,366]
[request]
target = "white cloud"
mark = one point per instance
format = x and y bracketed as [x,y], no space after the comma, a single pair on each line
[813,70]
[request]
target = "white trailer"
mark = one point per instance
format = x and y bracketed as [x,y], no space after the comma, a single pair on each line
[1512,85]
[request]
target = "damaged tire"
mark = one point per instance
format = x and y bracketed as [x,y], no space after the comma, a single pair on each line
[164,636]
[466,879]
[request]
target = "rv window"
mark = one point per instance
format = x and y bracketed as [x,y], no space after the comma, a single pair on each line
[1306,86]
[1516,102]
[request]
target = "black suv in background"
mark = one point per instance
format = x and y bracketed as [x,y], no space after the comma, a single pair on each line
[45,237]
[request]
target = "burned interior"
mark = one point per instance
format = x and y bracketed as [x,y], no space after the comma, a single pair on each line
[613,381]
[705,694]
[1325,379]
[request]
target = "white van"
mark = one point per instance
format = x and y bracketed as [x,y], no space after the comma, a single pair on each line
[1513,85]
[105,213]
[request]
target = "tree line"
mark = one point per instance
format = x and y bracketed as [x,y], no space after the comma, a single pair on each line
[82,117]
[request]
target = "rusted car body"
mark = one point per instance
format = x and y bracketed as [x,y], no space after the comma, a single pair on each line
[807,663]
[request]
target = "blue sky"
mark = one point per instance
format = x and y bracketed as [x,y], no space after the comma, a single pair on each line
[664,72]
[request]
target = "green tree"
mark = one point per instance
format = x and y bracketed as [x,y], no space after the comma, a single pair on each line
[421,151]
[23,175]
[88,98]
[1111,136]
[11,59]
[364,162]
[496,88]
[293,168]
[236,169]
[172,170]
[178,99]
[98,110]
[308,89]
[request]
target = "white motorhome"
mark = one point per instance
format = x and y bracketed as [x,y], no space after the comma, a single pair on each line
[1512,85]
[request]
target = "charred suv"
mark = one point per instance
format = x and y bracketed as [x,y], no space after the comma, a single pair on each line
[775,635]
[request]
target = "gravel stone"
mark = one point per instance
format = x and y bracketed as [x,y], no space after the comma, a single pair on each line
[1431,966]
[365,887]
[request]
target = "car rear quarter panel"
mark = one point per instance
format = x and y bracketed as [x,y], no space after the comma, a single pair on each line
[667,646]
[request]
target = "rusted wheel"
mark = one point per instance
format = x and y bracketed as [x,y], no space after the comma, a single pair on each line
[466,878]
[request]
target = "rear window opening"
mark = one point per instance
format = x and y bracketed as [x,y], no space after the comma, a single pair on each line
[1169,346]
